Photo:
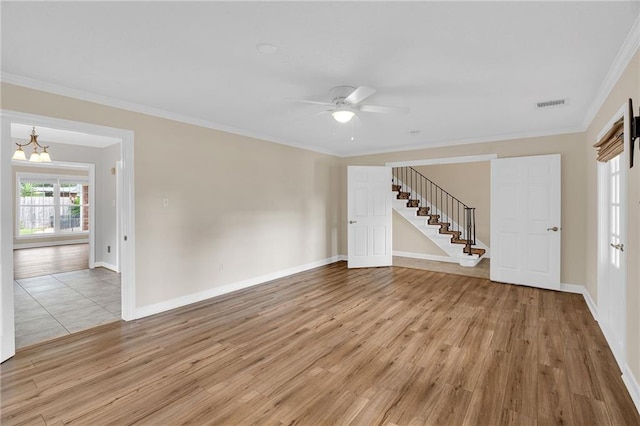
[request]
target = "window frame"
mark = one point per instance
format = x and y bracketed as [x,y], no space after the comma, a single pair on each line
[57,180]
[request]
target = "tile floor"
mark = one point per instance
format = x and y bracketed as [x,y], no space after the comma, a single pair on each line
[55,305]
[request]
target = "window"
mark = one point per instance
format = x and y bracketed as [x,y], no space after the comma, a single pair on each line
[52,206]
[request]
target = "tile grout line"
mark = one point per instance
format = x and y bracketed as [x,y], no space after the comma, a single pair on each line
[93,280]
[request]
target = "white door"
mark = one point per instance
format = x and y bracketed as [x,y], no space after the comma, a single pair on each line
[525,221]
[369,216]
[7,330]
[612,257]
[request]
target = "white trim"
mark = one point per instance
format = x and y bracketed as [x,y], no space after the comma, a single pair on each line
[622,59]
[62,124]
[7,319]
[617,339]
[591,304]
[449,160]
[580,289]
[625,54]
[55,165]
[469,141]
[188,299]
[621,113]
[126,210]
[155,112]
[50,243]
[115,103]
[54,179]
[118,241]
[107,265]
[424,256]
[92,216]
[632,385]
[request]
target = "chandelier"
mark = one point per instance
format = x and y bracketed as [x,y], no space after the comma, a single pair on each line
[36,157]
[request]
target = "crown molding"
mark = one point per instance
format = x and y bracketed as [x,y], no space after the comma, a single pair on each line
[470,141]
[155,112]
[625,54]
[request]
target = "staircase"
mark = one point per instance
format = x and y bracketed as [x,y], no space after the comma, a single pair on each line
[441,217]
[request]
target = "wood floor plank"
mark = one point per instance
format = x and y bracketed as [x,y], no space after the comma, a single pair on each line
[36,262]
[487,402]
[554,397]
[333,345]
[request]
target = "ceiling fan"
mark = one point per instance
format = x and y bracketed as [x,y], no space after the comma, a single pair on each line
[345,102]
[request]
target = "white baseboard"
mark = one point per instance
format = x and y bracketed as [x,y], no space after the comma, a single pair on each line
[591,304]
[49,244]
[188,299]
[632,385]
[627,375]
[106,265]
[423,256]
[580,289]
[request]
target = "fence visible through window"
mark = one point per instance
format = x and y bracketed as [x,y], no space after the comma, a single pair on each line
[52,206]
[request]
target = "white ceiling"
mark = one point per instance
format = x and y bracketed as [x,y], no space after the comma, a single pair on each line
[48,135]
[468,71]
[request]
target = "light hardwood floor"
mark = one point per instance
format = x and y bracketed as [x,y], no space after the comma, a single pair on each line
[333,346]
[36,262]
[481,270]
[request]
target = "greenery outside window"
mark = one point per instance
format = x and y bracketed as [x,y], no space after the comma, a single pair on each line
[52,206]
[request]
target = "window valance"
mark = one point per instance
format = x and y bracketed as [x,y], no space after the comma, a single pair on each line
[612,143]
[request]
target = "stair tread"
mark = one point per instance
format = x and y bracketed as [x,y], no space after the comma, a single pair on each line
[475,250]
[470,255]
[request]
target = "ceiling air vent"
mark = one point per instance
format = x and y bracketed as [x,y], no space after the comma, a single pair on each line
[550,104]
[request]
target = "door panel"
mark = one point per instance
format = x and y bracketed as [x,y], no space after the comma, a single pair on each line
[612,269]
[525,210]
[369,216]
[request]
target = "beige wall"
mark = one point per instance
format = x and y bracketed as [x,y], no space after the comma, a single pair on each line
[470,183]
[628,86]
[570,146]
[407,239]
[238,207]
[241,207]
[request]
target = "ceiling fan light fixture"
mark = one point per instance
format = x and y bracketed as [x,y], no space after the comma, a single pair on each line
[342,115]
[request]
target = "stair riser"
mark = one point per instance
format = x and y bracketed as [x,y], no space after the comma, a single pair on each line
[448,240]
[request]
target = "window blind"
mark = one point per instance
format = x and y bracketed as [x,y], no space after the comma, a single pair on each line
[612,143]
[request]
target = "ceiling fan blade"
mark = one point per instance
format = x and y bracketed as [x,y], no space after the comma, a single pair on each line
[359,95]
[327,111]
[307,101]
[384,109]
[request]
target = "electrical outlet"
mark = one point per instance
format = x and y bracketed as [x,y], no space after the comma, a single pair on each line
[108,249]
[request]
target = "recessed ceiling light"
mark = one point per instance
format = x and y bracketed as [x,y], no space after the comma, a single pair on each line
[266,48]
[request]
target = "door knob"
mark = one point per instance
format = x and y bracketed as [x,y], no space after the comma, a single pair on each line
[554,229]
[617,246]
[351,222]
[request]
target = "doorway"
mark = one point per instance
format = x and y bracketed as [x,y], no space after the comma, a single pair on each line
[58,237]
[125,215]
[612,259]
